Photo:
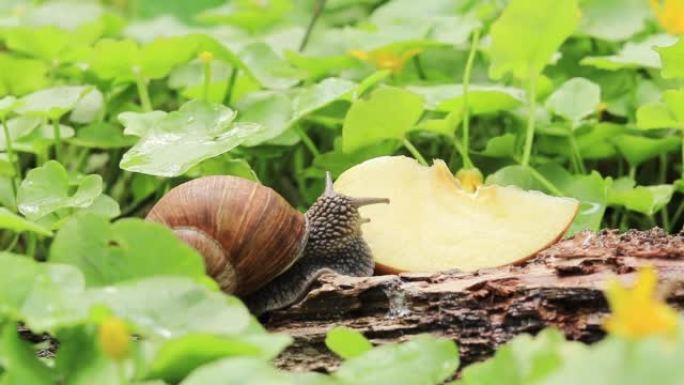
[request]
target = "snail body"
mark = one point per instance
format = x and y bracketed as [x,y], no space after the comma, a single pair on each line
[256,246]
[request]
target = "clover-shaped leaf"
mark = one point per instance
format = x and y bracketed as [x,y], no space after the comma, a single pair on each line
[553,22]
[172,143]
[575,99]
[269,69]
[632,55]
[668,113]
[13,222]
[482,99]
[643,199]
[673,62]
[110,253]
[389,113]
[19,76]
[638,149]
[51,102]
[277,111]
[125,60]
[48,188]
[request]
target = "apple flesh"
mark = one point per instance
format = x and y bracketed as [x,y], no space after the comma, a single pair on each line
[433,224]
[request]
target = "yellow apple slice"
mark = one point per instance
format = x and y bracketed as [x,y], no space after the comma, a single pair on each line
[433,224]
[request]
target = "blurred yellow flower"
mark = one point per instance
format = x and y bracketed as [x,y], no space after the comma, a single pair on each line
[470,178]
[637,311]
[670,14]
[114,338]
[385,58]
[206,56]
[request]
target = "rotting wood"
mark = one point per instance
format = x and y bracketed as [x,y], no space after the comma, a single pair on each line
[560,286]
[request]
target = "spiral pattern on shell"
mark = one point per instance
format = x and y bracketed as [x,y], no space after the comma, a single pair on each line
[247,233]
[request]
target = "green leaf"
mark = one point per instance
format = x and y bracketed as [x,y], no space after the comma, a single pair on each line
[388,114]
[40,294]
[541,25]
[643,199]
[482,99]
[663,114]
[175,142]
[223,165]
[575,99]
[590,190]
[250,371]
[279,111]
[13,222]
[45,43]
[80,359]
[51,102]
[88,108]
[271,71]
[128,249]
[7,105]
[633,55]
[638,149]
[525,360]
[622,361]
[500,146]
[102,135]
[173,307]
[20,76]
[124,60]
[48,188]
[20,363]
[347,343]
[613,20]
[672,60]
[176,358]
[422,360]
[517,176]
[597,142]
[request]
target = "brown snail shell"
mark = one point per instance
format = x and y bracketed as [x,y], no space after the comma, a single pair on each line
[246,232]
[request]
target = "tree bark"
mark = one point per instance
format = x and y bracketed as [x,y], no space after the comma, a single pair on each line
[561,287]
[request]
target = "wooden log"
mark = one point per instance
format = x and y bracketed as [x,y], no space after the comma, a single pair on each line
[560,287]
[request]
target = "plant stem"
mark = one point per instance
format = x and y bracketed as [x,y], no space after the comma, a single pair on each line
[414,151]
[318,9]
[678,214]
[632,172]
[143,94]
[310,145]
[58,139]
[13,243]
[207,80]
[14,160]
[682,176]
[467,73]
[231,85]
[576,154]
[419,67]
[532,107]
[545,182]
[31,242]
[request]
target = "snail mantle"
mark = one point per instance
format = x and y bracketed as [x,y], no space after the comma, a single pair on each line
[561,287]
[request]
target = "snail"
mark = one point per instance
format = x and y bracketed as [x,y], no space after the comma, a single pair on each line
[259,248]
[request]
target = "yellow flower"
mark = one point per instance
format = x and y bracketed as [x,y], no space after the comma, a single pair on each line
[114,338]
[386,58]
[206,56]
[670,14]
[637,311]
[470,178]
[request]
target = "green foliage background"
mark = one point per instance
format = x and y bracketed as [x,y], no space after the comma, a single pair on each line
[106,105]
